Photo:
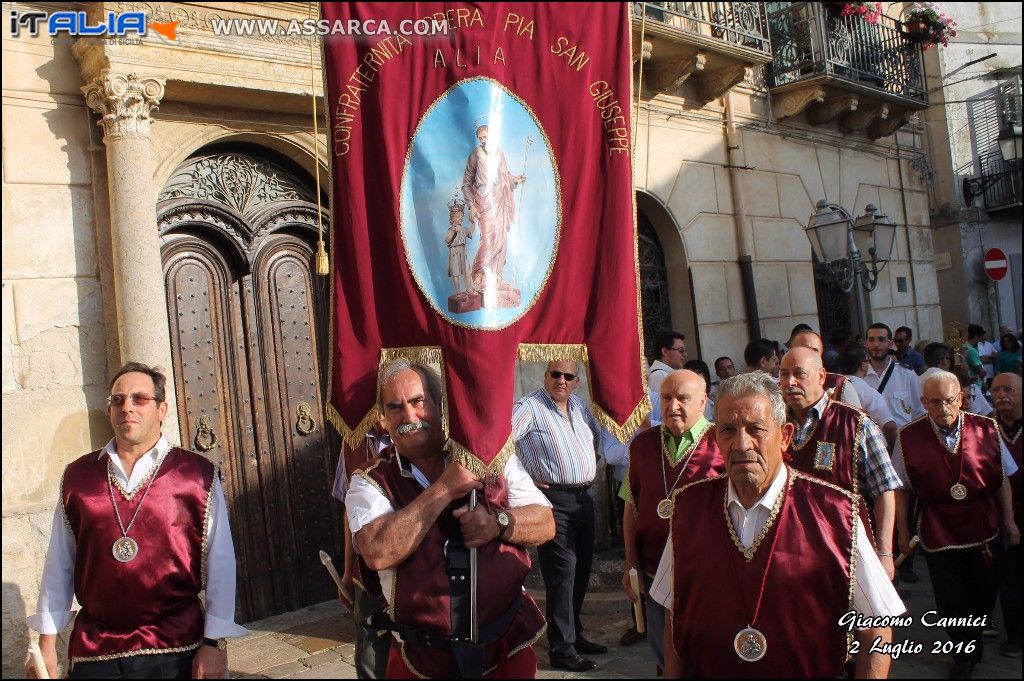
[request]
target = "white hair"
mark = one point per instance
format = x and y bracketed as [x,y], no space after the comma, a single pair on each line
[940,375]
[431,380]
[754,383]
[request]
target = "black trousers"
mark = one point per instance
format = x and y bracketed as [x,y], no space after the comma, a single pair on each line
[165,666]
[372,647]
[965,587]
[565,564]
[1010,592]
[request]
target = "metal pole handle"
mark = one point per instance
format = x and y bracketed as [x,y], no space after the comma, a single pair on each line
[474,624]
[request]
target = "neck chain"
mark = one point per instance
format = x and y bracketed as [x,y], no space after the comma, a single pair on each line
[126,549]
[750,644]
[957,491]
[666,505]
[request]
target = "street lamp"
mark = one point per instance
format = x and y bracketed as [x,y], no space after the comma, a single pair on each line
[838,241]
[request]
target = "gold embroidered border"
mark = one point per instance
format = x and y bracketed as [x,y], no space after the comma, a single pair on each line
[818,481]
[133,653]
[688,452]
[749,552]
[672,520]
[954,546]
[529,642]
[63,507]
[1006,438]
[853,566]
[206,527]
[558,207]
[858,440]
[128,496]
[405,658]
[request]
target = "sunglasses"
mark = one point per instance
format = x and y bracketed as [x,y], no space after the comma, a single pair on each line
[559,374]
[137,399]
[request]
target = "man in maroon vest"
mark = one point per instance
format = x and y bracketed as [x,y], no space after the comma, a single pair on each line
[836,384]
[411,524]
[839,444]
[758,571]
[1006,397]
[139,582]
[957,465]
[662,459]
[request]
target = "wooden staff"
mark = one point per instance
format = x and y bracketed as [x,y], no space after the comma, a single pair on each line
[638,609]
[37,661]
[914,541]
[325,558]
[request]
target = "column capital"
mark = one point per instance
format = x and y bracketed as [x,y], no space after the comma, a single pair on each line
[125,101]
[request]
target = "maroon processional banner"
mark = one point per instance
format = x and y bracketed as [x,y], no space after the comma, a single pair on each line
[483,207]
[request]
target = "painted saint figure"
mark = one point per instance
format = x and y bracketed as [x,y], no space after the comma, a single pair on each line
[488,187]
[455,239]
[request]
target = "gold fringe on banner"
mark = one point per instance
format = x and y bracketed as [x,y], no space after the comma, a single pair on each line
[352,436]
[463,456]
[626,430]
[553,352]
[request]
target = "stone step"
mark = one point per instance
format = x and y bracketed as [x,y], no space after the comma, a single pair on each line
[597,604]
[605,572]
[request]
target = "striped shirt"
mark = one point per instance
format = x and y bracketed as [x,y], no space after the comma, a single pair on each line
[555,449]
[874,467]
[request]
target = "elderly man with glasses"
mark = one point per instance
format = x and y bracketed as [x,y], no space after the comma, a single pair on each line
[957,465]
[138,568]
[556,436]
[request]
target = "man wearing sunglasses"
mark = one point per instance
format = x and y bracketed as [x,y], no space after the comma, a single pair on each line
[141,528]
[555,436]
[671,349]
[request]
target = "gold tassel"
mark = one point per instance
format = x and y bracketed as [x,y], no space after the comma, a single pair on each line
[323,267]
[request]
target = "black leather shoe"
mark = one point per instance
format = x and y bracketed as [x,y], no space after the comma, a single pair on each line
[572,663]
[631,637]
[586,647]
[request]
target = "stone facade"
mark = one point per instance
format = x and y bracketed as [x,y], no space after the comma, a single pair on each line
[963,125]
[82,281]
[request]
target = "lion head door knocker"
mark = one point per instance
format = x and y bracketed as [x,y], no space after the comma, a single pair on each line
[304,422]
[205,438]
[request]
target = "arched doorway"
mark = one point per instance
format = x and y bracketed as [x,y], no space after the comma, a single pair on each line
[666,291]
[248,322]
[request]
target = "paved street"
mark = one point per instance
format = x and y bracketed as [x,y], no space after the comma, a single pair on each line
[316,642]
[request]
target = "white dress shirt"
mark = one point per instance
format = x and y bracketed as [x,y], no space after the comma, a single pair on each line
[873,595]
[871,401]
[657,373]
[53,609]
[365,503]
[902,393]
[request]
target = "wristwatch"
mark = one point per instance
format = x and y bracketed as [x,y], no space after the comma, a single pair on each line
[503,523]
[218,643]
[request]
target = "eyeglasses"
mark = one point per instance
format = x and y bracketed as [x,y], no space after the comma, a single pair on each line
[948,402]
[137,399]
[682,349]
[559,374]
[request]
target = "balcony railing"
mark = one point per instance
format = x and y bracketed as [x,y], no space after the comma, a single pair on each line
[739,23]
[1004,190]
[811,39]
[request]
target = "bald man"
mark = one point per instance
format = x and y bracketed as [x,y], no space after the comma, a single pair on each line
[957,465]
[839,444]
[836,384]
[662,459]
[1006,395]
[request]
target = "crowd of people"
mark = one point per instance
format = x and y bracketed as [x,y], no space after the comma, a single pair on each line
[824,464]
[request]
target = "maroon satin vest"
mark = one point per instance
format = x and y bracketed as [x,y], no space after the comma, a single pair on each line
[932,470]
[829,454]
[421,596]
[1013,443]
[647,486]
[715,589]
[151,604]
[834,384]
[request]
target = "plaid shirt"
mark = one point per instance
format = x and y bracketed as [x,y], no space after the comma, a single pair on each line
[874,470]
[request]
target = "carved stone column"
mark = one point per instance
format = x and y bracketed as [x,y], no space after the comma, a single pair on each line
[125,103]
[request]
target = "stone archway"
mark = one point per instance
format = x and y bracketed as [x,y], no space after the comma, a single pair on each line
[249,342]
[666,284]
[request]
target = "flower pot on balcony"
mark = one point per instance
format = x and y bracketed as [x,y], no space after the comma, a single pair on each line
[916,30]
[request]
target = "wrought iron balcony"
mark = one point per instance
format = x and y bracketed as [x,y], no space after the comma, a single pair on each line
[715,43]
[999,182]
[869,77]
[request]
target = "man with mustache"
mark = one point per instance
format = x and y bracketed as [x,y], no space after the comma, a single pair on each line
[141,529]
[411,523]
[556,436]
[1006,394]
[662,459]
[839,444]
[758,591]
[836,384]
[957,465]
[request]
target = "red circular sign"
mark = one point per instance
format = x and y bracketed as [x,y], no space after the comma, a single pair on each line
[995,264]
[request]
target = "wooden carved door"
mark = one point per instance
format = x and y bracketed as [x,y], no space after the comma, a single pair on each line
[249,343]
